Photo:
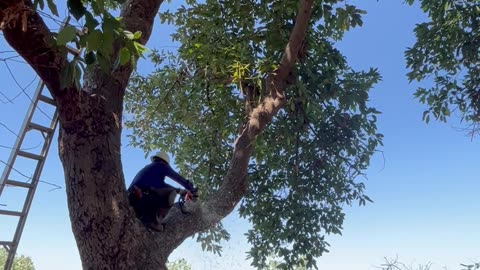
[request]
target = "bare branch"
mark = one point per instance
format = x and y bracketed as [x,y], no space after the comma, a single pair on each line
[296,40]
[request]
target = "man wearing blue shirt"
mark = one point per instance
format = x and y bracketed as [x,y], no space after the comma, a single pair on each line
[150,196]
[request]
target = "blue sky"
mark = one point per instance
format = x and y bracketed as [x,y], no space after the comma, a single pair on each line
[425,184]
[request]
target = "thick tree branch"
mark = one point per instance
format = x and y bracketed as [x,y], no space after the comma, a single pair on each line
[48,60]
[235,182]
[295,42]
[139,15]
[26,30]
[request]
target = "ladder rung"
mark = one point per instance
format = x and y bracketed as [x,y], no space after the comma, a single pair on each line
[41,128]
[29,155]
[18,184]
[48,100]
[6,243]
[11,213]
[72,50]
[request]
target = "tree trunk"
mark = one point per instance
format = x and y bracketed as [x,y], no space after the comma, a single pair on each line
[107,233]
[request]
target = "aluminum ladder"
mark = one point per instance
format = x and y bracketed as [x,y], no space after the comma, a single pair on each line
[47,132]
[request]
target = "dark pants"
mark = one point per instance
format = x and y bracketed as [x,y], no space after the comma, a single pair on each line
[154,204]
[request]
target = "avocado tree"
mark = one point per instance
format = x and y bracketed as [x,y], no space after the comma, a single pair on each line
[447,50]
[258,106]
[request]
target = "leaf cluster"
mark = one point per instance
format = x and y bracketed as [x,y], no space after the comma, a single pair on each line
[447,50]
[101,31]
[180,264]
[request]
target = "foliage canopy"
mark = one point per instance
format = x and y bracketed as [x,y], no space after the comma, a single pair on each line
[447,49]
[306,164]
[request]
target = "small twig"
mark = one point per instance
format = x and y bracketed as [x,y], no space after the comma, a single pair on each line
[165,97]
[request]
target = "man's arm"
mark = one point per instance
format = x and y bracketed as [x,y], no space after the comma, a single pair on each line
[179,179]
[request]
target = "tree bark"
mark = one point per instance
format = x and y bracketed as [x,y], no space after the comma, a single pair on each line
[107,233]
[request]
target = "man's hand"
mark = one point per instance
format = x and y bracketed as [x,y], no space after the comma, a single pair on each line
[182,192]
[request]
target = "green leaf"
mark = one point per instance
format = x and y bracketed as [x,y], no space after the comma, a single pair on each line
[98,6]
[39,3]
[67,76]
[94,39]
[66,34]
[52,7]
[139,48]
[76,8]
[90,22]
[128,34]
[367,198]
[124,56]
[446,111]
[137,35]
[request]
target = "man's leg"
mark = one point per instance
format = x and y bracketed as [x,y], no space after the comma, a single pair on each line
[166,200]
[146,209]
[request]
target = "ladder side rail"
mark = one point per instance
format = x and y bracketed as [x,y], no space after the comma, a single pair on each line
[20,137]
[31,192]
[48,137]
[11,247]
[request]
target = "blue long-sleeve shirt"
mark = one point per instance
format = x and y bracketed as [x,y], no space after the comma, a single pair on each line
[153,175]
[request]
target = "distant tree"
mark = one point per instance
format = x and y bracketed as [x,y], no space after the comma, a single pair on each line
[395,264]
[447,51]
[180,264]
[275,264]
[20,262]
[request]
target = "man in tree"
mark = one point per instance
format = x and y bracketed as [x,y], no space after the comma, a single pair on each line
[150,196]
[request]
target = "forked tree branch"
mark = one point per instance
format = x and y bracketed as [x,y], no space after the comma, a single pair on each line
[27,33]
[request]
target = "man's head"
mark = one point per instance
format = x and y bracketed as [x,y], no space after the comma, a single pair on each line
[160,156]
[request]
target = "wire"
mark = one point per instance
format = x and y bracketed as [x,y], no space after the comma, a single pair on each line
[23,149]
[5,96]
[7,128]
[30,178]
[10,100]
[23,90]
